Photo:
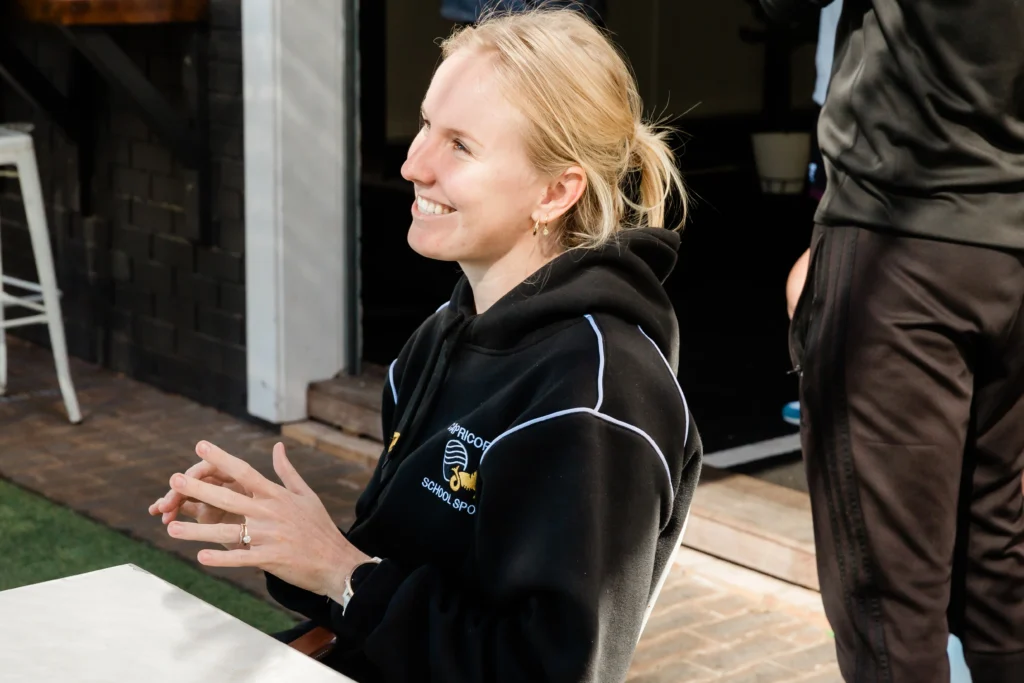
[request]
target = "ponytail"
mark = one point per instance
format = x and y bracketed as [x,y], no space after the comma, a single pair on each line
[659,176]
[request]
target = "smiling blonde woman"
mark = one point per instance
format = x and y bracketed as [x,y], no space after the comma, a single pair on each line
[541,457]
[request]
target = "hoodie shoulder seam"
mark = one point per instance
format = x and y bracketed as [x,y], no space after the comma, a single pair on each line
[587,411]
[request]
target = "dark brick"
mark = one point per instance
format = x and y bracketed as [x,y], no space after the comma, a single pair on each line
[226,109]
[202,348]
[232,175]
[122,212]
[235,361]
[133,281]
[226,141]
[153,218]
[229,204]
[226,14]
[196,288]
[165,72]
[232,298]
[220,265]
[226,78]
[121,322]
[121,266]
[222,392]
[224,326]
[98,265]
[226,46]
[132,241]
[97,232]
[132,299]
[187,377]
[186,226]
[173,252]
[232,236]
[153,277]
[131,182]
[122,355]
[168,190]
[155,335]
[150,157]
[127,125]
[179,312]
[123,151]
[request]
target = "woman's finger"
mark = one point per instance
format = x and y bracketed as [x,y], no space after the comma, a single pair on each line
[172,499]
[217,496]
[236,468]
[168,517]
[212,533]
[190,508]
[233,558]
[289,475]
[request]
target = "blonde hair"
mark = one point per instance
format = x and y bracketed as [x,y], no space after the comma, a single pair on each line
[583,108]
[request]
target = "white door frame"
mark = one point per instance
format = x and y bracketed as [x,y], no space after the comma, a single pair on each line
[299,237]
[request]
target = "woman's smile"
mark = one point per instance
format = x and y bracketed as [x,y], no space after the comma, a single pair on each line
[428,209]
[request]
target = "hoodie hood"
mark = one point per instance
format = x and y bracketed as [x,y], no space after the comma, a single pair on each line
[624,278]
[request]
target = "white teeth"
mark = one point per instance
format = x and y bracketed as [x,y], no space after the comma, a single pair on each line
[428,207]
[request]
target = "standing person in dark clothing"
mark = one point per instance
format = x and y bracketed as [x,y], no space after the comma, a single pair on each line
[910,339]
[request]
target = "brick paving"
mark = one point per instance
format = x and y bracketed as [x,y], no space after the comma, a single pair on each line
[714,621]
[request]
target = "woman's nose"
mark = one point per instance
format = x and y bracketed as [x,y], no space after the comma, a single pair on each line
[417,168]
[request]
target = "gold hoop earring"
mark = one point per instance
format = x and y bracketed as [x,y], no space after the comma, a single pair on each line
[535,225]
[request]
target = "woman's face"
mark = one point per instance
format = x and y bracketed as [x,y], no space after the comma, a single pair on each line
[477,194]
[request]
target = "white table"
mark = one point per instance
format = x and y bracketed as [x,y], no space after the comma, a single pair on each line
[124,624]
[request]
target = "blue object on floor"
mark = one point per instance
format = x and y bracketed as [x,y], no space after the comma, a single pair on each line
[958,672]
[791,413]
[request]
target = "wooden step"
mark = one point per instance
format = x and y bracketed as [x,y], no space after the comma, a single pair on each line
[754,523]
[735,517]
[334,441]
[350,403]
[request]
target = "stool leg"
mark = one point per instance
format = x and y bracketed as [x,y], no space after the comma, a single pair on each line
[3,337]
[32,196]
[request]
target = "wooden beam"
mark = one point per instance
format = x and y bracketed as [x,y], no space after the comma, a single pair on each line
[350,403]
[754,523]
[113,12]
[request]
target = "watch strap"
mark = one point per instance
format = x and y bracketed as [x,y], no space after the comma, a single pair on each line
[350,590]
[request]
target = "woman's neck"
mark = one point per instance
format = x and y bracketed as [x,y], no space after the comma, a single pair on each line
[493,281]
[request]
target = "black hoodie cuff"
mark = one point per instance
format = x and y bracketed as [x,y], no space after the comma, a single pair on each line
[299,600]
[368,604]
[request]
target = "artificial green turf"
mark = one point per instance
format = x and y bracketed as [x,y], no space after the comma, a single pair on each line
[41,541]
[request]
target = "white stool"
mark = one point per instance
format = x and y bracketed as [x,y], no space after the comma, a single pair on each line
[43,298]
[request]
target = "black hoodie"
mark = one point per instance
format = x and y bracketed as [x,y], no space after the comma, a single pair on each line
[923,127]
[541,466]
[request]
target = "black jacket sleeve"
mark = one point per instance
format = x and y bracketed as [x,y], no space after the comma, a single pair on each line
[791,11]
[569,516]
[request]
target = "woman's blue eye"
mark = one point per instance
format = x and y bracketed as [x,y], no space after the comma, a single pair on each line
[459,147]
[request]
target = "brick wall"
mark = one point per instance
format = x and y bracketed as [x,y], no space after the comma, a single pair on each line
[140,293]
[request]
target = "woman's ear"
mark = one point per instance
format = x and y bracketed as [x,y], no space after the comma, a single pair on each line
[561,194]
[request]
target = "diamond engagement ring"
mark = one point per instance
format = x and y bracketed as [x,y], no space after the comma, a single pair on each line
[243,534]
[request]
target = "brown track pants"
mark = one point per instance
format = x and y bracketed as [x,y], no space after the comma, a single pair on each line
[911,353]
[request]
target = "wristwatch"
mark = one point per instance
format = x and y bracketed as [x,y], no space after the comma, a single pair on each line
[357,576]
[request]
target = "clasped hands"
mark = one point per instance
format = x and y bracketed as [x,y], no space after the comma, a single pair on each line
[291,533]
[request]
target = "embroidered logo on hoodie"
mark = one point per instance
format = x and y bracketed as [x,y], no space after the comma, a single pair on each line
[454,466]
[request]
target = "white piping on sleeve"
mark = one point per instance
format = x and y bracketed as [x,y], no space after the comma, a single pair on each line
[686,409]
[391,381]
[600,366]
